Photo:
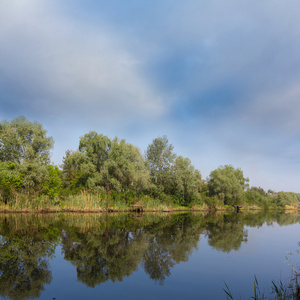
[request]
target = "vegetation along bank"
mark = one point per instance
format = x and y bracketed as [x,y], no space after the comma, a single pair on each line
[106,174]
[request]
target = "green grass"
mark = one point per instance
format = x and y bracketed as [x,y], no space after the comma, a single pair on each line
[279,290]
[100,202]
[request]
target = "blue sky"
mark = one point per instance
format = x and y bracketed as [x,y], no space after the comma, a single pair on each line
[220,78]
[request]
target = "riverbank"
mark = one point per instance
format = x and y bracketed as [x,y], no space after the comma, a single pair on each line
[90,203]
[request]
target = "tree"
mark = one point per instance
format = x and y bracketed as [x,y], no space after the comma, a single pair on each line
[23,141]
[228,184]
[96,147]
[125,167]
[187,180]
[24,156]
[53,185]
[160,158]
[11,180]
[287,198]
[257,195]
[101,163]
[79,172]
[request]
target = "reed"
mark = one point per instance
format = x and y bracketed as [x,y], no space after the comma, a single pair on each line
[279,290]
[101,202]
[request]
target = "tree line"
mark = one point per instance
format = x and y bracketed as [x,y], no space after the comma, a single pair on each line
[117,168]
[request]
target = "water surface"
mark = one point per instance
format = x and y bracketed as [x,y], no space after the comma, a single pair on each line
[144,256]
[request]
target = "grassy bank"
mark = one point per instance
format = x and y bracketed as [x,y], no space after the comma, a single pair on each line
[87,202]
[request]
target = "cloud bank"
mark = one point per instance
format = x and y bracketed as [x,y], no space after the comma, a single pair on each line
[220,79]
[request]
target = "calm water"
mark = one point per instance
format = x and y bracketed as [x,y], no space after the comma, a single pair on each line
[149,256]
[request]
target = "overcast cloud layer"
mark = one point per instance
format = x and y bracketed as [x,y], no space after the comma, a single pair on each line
[220,79]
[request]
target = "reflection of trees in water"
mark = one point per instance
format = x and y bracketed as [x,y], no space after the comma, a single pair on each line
[227,233]
[104,255]
[158,261]
[170,243]
[258,218]
[24,268]
[111,247]
[111,254]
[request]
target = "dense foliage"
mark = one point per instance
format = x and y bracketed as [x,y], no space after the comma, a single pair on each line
[119,172]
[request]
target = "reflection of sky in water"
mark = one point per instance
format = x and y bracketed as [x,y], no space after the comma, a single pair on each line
[202,277]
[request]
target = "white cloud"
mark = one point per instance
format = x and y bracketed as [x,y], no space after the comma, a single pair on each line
[65,66]
[157,72]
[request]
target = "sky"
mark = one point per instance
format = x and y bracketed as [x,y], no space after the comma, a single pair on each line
[221,79]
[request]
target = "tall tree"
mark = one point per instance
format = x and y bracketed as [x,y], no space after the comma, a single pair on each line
[79,172]
[85,167]
[187,180]
[24,155]
[228,184]
[101,163]
[96,147]
[126,168]
[24,141]
[160,158]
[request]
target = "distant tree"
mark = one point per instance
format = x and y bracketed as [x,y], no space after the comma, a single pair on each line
[259,190]
[101,163]
[24,156]
[125,167]
[79,172]
[160,158]
[23,141]
[228,184]
[287,198]
[187,180]
[257,195]
[96,147]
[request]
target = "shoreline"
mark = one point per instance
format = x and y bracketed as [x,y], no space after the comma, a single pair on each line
[46,210]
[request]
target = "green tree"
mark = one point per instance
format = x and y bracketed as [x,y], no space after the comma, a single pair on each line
[24,141]
[187,180]
[228,184]
[11,180]
[53,185]
[126,168]
[101,163]
[286,198]
[257,195]
[96,147]
[160,158]
[24,155]
[79,172]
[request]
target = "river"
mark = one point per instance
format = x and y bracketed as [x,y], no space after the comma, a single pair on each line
[145,256]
